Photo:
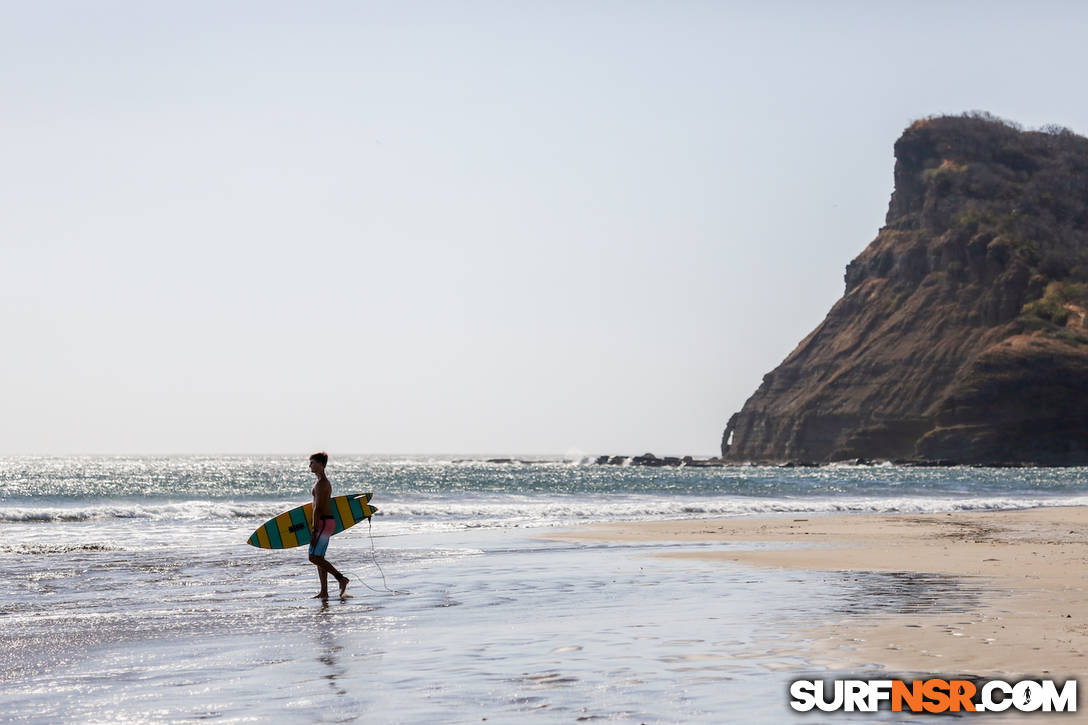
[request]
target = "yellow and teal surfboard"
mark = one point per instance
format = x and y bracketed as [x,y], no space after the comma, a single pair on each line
[292,528]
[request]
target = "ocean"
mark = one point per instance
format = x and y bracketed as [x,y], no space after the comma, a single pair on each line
[130,595]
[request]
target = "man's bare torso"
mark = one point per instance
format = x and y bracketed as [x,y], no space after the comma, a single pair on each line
[322,492]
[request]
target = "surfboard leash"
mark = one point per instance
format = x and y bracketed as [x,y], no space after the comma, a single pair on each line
[374,558]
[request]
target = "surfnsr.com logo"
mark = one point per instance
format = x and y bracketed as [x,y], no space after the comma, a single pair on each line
[933,695]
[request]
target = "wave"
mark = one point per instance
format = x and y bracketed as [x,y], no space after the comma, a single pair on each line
[198,510]
[643,509]
[55,548]
[465,511]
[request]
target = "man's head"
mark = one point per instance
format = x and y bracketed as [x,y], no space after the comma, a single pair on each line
[321,459]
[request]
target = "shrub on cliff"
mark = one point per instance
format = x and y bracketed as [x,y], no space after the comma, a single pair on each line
[1056,303]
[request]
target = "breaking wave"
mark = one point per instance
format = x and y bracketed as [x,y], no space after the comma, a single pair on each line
[530,511]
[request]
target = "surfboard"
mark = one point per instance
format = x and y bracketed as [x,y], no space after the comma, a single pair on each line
[292,528]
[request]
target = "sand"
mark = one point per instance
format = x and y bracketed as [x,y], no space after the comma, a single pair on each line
[1029,567]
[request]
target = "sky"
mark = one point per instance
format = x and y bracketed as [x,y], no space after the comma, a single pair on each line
[554,228]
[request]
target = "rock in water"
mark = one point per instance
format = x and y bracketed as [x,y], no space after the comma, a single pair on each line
[961,335]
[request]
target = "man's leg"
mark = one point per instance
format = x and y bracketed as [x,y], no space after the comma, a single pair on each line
[322,576]
[317,555]
[326,568]
[340,578]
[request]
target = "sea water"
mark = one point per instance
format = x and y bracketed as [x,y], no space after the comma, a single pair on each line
[129,594]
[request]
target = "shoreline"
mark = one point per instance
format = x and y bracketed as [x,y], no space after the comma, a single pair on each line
[1029,567]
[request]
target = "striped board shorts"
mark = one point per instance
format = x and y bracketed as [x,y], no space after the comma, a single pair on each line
[322,532]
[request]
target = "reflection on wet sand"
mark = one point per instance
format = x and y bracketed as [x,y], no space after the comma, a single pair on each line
[328,649]
[905,592]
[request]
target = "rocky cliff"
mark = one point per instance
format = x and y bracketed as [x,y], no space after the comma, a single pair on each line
[961,334]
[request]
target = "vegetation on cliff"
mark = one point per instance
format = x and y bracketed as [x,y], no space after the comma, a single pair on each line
[961,333]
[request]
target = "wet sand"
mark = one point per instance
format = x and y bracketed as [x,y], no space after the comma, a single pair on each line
[1029,569]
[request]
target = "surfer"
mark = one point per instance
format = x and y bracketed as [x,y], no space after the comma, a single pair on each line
[323,526]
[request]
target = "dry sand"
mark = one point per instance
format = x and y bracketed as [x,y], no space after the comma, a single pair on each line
[1031,617]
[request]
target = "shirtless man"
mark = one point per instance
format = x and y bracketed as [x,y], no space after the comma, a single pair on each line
[323,525]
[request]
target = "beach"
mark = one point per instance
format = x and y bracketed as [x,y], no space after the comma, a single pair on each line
[1028,566]
[553,590]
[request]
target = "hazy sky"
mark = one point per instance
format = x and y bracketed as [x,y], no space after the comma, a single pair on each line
[463,227]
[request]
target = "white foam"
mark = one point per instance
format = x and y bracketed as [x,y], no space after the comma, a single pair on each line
[521,510]
[548,510]
[196,510]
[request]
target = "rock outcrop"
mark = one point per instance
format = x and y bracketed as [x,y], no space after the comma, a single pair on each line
[961,334]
